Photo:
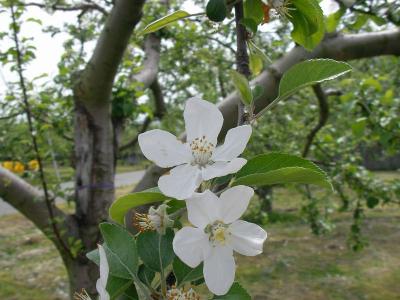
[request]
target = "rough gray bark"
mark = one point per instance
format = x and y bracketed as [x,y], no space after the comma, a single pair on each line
[339,47]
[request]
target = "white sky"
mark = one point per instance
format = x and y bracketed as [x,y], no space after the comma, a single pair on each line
[49,49]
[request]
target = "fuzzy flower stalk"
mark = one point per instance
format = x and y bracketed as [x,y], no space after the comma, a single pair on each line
[199,159]
[217,232]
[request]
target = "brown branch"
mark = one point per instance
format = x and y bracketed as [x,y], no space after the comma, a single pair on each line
[11,115]
[242,58]
[79,7]
[149,69]
[323,105]
[227,46]
[323,117]
[159,101]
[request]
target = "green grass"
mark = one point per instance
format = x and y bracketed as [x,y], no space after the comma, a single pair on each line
[295,264]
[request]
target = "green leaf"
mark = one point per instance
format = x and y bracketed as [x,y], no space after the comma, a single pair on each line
[156,250]
[332,21]
[120,249]
[184,273]
[280,168]
[308,23]
[255,63]
[118,286]
[236,292]
[164,21]
[117,269]
[372,201]
[242,85]
[146,275]
[358,127]
[360,21]
[123,204]
[94,256]
[372,83]
[253,9]
[257,91]
[387,98]
[216,10]
[308,73]
[250,24]
[256,50]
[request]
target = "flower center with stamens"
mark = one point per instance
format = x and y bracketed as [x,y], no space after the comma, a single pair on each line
[218,232]
[201,151]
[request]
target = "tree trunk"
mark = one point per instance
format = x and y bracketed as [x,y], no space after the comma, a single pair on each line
[94,153]
[81,274]
[94,183]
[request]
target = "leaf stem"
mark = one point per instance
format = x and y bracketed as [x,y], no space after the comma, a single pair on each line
[162,274]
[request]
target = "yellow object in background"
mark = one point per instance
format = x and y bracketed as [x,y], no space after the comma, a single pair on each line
[19,167]
[9,165]
[33,165]
[14,166]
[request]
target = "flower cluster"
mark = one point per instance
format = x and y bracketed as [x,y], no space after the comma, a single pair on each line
[217,231]
[181,294]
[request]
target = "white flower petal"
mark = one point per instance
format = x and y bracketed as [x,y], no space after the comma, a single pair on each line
[233,202]
[191,245]
[247,238]
[181,182]
[104,270]
[163,148]
[235,142]
[222,168]
[202,118]
[101,290]
[219,270]
[201,209]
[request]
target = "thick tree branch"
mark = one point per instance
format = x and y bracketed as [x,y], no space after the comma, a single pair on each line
[339,47]
[29,201]
[97,79]
[149,70]
[159,101]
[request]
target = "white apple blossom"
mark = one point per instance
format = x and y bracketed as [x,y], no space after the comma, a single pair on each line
[217,234]
[198,159]
[101,282]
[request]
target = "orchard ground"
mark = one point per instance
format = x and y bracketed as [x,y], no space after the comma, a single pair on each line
[295,264]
